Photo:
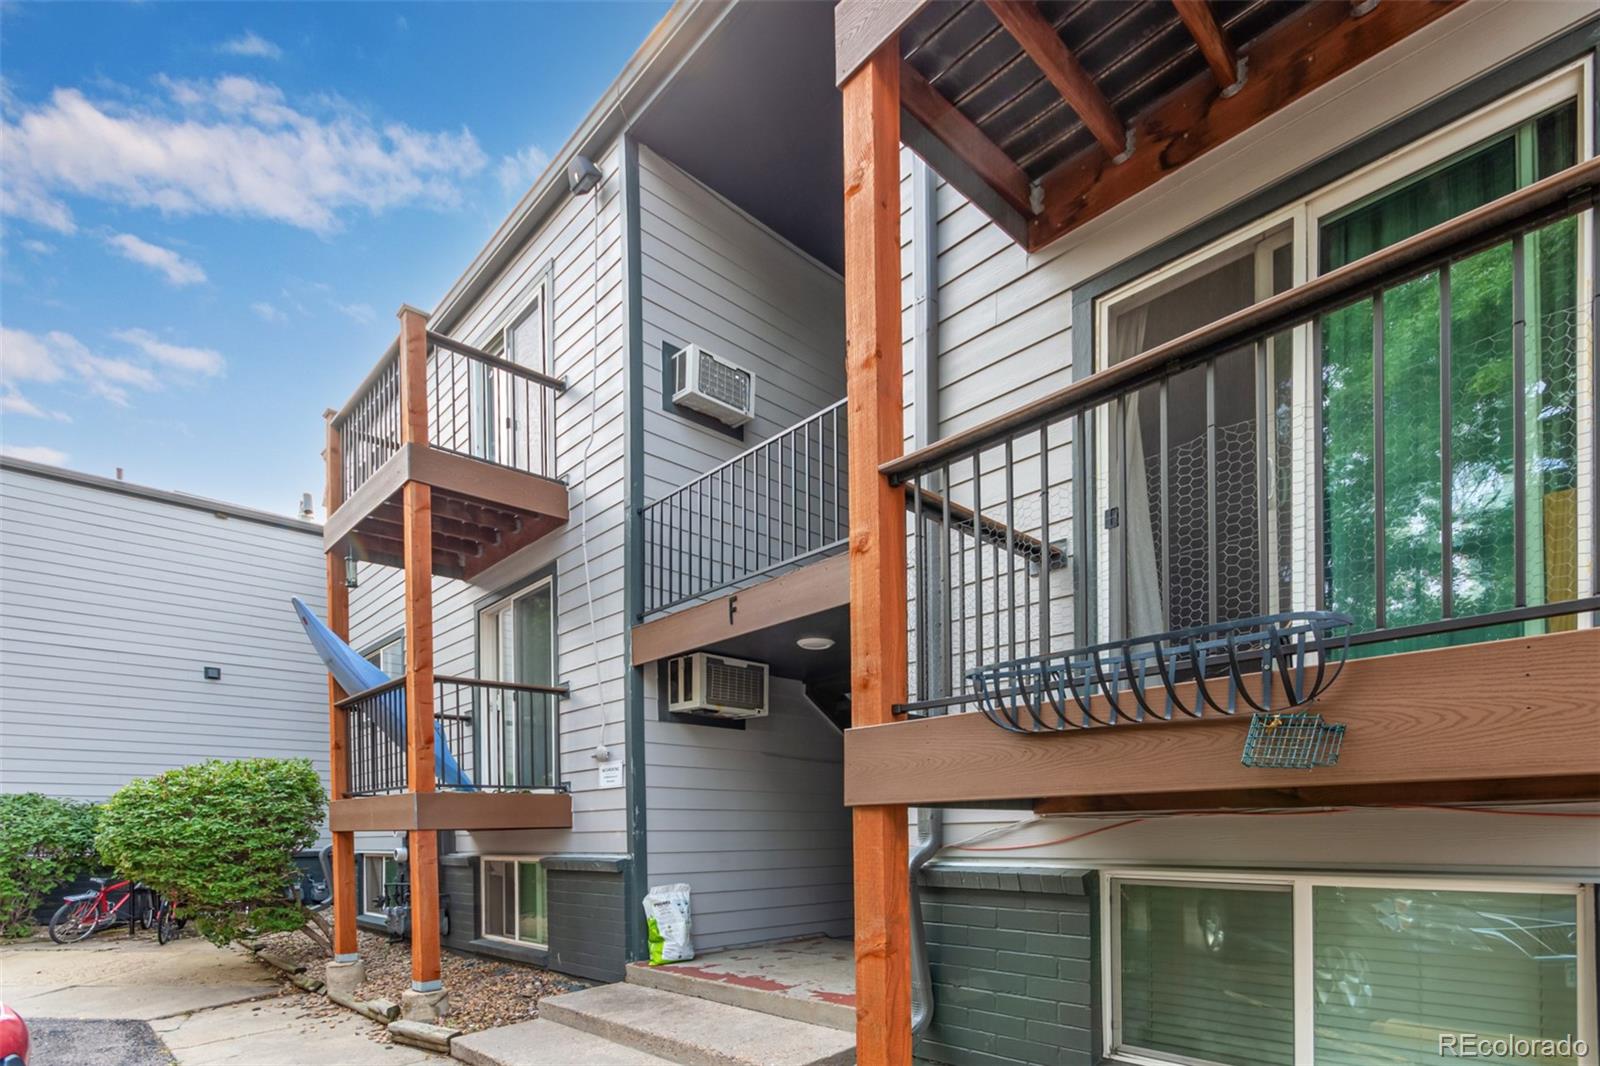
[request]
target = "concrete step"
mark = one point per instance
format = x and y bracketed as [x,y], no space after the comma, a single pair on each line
[799,1001]
[697,1032]
[545,1043]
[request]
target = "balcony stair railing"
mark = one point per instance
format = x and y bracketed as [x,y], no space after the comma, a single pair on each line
[781,502]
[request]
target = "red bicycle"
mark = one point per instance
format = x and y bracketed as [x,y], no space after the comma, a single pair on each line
[86,913]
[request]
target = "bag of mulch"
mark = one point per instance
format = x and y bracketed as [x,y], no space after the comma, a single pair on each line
[666,911]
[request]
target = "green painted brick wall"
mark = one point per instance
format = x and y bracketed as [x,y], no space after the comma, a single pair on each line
[1013,959]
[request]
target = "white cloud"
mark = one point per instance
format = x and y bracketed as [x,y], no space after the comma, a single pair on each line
[517,171]
[39,247]
[27,357]
[362,313]
[57,356]
[34,453]
[179,271]
[250,44]
[195,360]
[267,312]
[12,402]
[234,146]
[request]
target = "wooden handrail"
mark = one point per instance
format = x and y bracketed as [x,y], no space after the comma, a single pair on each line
[1566,193]
[439,340]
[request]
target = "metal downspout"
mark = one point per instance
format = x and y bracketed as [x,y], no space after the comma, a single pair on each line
[925,375]
[930,827]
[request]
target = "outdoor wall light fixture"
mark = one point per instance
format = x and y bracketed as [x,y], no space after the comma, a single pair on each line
[212,673]
[350,567]
[815,643]
[582,175]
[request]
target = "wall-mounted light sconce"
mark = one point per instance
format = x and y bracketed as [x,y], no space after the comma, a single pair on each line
[350,566]
[582,175]
[212,673]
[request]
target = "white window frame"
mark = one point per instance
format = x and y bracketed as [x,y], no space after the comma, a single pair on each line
[516,903]
[366,858]
[374,654]
[1300,886]
[1574,83]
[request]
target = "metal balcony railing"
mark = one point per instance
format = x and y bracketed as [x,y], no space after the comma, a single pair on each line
[488,408]
[479,405]
[489,736]
[369,426]
[782,501]
[1406,444]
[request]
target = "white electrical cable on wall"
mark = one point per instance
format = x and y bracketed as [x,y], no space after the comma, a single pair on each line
[601,752]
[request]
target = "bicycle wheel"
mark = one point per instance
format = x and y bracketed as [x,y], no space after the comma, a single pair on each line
[73,921]
[166,924]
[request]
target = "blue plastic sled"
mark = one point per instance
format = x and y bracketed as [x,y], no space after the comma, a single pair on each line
[355,674]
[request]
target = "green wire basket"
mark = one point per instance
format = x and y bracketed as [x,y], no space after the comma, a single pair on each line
[1291,742]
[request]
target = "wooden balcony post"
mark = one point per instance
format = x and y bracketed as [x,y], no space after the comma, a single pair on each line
[871,100]
[413,376]
[417,529]
[345,948]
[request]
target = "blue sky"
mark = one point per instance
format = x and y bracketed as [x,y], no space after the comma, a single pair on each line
[211,212]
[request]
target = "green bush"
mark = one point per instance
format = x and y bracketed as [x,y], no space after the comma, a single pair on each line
[43,843]
[218,838]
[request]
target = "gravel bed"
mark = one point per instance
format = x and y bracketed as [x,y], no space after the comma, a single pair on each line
[484,993]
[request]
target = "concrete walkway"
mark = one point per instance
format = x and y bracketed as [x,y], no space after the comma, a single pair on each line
[188,1002]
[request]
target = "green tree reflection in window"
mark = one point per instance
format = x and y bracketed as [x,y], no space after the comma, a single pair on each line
[1481,398]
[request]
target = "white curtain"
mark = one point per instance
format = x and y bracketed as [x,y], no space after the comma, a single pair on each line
[1143,612]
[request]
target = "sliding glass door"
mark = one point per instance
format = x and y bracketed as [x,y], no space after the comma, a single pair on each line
[1418,456]
[1450,403]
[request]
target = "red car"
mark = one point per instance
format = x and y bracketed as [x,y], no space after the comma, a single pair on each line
[13,1038]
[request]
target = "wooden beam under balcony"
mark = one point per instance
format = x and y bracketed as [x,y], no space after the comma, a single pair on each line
[1497,721]
[482,512]
[1303,53]
[1037,38]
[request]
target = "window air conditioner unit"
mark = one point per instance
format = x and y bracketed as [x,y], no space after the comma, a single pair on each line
[713,386]
[703,683]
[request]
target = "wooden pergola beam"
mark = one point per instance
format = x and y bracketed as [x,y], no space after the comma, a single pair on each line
[1301,54]
[1024,21]
[871,103]
[962,136]
[1209,37]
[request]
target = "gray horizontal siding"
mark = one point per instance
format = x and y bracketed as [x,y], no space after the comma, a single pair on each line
[111,604]
[753,820]
[713,276]
[580,245]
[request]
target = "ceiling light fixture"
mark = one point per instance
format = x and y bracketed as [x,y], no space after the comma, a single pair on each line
[815,643]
